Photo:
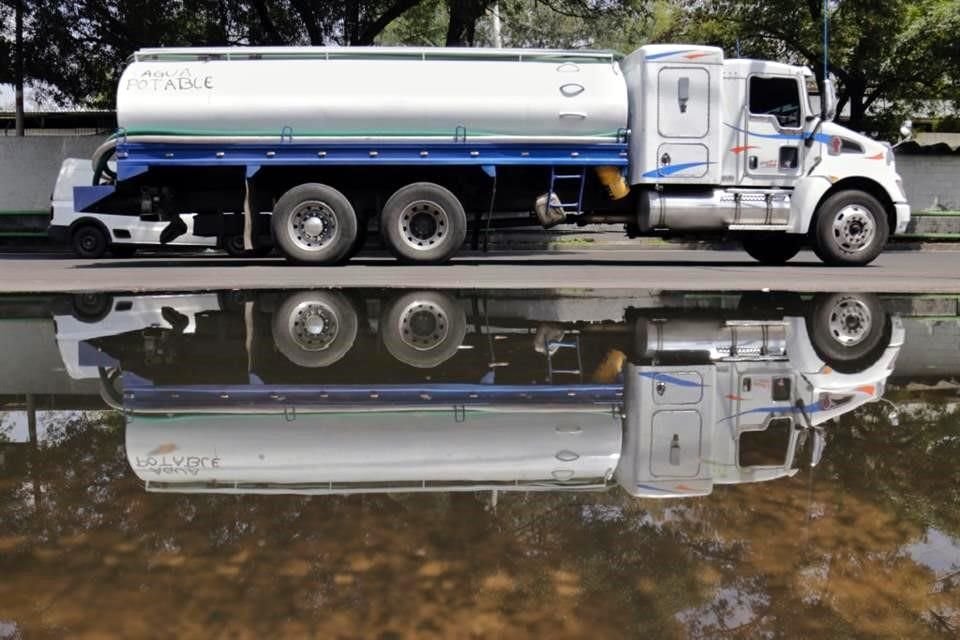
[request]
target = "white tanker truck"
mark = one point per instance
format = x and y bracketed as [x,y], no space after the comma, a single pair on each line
[313,145]
[700,401]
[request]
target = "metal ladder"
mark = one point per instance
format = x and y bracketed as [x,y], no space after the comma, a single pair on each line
[564,344]
[568,207]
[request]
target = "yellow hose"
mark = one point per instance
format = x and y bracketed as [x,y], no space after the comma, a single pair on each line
[613,180]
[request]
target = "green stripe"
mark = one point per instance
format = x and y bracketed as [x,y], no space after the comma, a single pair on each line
[936,236]
[24,212]
[445,133]
[936,214]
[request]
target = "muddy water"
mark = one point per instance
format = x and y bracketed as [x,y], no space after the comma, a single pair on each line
[374,465]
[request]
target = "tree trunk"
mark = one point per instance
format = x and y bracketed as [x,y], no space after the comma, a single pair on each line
[18,70]
[462,28]
[855,94]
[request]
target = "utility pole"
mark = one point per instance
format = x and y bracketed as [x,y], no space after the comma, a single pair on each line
[497,37]
[18,69]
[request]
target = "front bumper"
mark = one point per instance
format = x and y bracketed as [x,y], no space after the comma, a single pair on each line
[903,216]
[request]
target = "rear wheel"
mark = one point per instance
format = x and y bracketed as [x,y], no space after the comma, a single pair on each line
[233,245]
[314,224]
[772,249]
[89,241]
[423,223]
[424,329]
[851,229]
[315,328]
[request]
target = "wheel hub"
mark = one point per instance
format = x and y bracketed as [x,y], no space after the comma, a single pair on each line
[850,322]
[88,242]
[313,326]
[313,225]
[423,325]
[423,224]
[853,228]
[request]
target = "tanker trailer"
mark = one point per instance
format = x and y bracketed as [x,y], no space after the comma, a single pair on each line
[320,143]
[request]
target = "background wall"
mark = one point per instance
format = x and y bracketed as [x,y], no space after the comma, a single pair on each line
[29,166]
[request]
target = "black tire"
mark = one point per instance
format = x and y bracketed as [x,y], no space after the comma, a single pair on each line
[850,229]
[123,250]
[424,329]
[772,248]
[233,245]
[423,223]
[314,224]
[92,306]
[849,331]
[89,241]
[358,243]
[315,328]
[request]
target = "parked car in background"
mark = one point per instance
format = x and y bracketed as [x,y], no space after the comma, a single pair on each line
[93,235]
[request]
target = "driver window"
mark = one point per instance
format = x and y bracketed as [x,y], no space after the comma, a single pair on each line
[779,97]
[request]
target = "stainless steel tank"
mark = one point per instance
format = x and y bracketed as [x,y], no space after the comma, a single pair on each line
[372,93]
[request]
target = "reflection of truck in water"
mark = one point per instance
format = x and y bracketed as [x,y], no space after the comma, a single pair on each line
[661,401]
[666,141]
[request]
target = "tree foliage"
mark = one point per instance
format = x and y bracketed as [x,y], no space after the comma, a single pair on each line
[888,56]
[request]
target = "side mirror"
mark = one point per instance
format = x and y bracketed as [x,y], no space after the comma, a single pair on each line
[829,100]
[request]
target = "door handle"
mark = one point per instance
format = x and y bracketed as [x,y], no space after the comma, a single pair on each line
[752,162]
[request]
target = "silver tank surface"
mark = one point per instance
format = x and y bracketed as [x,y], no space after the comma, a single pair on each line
[366,450]
[372,93]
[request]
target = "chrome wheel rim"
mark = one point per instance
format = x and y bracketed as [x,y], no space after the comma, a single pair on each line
[313,225]
[423,225]
[854,228]
[313,325]
[424,325]
[850,322]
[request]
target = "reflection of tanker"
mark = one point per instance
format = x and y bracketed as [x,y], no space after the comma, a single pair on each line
[333,393]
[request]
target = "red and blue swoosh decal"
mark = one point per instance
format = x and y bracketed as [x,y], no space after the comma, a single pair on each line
[670,169]
[819,137]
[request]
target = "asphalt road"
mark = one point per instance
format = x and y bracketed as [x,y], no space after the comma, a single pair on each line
[684,270]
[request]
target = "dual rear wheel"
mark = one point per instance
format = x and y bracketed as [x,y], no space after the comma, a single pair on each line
[316,224]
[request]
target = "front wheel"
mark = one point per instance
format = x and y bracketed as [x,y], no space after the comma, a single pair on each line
[772,249]
[851,229]
[314,224]
[849,331]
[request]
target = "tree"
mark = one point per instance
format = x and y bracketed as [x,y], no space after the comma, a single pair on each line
[887,55]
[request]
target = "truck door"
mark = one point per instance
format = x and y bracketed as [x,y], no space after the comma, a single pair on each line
[774,128]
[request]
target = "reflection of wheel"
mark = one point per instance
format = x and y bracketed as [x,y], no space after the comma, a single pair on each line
[314,224]
[424,328]
[423,223]
[233,245]
[89,241]
[315,328]
[123,250]
[91,306]
[850,230]
[772,248]
[111,391]
[849,330]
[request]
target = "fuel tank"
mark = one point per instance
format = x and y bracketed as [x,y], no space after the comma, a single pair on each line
[373,93]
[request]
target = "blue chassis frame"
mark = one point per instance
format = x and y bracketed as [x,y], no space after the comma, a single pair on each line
[135,158]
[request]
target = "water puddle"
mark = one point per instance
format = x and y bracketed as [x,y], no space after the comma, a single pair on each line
[366,463]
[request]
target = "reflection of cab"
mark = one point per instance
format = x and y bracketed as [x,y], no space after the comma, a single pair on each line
[411,393]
